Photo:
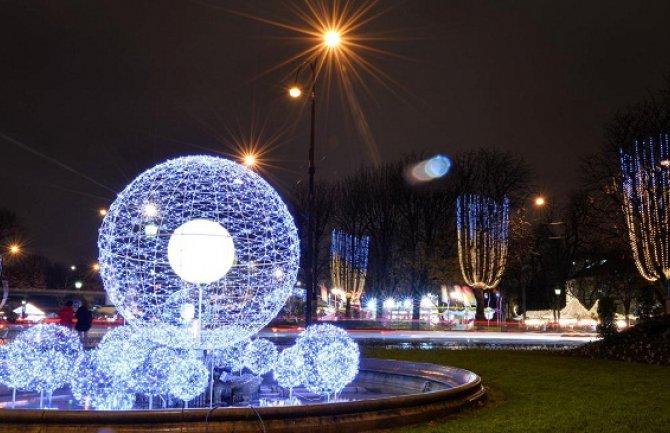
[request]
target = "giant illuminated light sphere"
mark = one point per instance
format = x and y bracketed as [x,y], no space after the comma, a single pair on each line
[201,250]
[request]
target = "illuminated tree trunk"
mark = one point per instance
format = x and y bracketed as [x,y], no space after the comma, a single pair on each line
[349,265]
[646,205]
[482,226]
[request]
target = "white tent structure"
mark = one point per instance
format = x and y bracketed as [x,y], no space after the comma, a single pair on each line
[574,314]
[33,313]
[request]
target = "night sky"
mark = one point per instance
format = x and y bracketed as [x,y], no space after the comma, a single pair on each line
[94,92]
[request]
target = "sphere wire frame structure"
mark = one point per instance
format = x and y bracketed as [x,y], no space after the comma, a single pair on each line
[191,311]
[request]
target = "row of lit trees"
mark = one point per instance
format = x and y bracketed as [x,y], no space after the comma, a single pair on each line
[412,228]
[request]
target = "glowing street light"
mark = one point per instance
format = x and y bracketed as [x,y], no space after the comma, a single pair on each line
[295,92]
[249,160]
[332,39]
[78,285]
[96,267]
[102,212]
[73,268]
[14,249]
[539,201]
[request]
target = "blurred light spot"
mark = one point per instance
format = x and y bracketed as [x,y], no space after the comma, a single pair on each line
[429,169]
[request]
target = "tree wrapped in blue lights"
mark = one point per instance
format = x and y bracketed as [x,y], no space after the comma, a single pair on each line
[187,378]
[330,358]
[290,369]
[41,358]
[199,249]
[483,237]
[95,385]
[260,356]
[231,357]
[646,204]
[349,265]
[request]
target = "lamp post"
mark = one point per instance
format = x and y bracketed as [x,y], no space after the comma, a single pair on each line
[557,292]
[13,250]
[310,262]
[331,40]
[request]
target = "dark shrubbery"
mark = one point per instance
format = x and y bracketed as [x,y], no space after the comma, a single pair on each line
[648,342]
[606,310]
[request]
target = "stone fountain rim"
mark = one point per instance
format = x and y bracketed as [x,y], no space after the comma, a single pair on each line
[467,391]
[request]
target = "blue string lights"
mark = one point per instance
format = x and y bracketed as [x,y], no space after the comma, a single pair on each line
[646,197]
[41,358]
[483,235]
[201,250]
[330,358]
[349,263]
[289,370]
[260,356]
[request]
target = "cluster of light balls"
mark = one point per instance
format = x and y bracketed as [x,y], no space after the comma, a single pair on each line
[127,363]
[200,249]
[324,360]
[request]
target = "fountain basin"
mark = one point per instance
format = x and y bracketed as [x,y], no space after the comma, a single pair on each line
[422,392]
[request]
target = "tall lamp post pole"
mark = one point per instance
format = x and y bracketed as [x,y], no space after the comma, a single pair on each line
[13,249]
[310,259]
[331,40]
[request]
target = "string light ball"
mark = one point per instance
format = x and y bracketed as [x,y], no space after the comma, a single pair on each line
[41,358]
[7,370]
[94,385]
[122,350]
[200,249]
[289,369]
[231,357]
[330,357]
[188,378]
[151,376]
[260,356]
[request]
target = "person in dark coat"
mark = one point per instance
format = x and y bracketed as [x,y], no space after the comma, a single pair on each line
[84,322]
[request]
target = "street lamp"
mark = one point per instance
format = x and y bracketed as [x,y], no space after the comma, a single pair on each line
[557,292]
[249,160]
[13,250]
[539,201]
[102,212]
[331,40]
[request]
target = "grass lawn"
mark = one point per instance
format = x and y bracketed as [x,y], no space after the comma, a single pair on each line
[530,391]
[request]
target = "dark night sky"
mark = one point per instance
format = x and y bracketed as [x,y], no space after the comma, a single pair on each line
[108,88]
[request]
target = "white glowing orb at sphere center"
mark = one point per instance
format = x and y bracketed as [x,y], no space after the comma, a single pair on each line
[201,251]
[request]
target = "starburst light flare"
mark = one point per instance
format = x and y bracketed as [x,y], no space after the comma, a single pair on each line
[199,249]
